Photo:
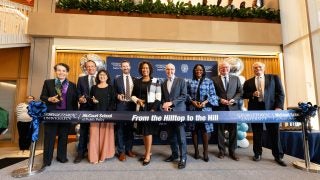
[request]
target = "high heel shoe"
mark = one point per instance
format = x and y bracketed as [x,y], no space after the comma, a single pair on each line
[205,157]
[196,155]
[146,162]
[143,158]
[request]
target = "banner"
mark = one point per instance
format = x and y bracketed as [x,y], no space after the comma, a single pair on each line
[174,116]
[183,67]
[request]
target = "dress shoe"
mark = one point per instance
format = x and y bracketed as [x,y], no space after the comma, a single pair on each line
[182,164]
[280,162]
[131,154]
[62,160]
[45,165]
[122,157]
[256,158]
[78,159]
[234,157]
[221,155]
[170,159]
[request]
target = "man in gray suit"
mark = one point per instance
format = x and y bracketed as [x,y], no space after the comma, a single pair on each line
[174,95]
[229,90]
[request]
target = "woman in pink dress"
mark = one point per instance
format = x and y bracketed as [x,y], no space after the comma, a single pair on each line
[101,144]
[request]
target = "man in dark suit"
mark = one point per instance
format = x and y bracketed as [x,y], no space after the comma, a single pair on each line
[265,92]
[174,95]
[61,95]
[123,86]
[83,89]
[229,90]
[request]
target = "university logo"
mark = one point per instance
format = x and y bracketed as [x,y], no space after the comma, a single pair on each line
[184,68]
[163,135]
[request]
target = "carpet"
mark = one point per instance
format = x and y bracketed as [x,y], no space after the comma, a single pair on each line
[5,162]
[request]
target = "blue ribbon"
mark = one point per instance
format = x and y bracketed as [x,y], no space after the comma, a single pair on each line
[173,116]
[36,110]
[308,110]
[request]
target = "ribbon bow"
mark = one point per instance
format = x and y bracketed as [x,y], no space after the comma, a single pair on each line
[36,110]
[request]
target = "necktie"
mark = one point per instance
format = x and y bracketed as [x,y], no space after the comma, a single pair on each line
[92,81]
[127,94]
[260,98]
[169,85]
[225,83]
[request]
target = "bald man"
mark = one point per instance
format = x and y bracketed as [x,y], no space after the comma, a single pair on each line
[174,95]
[265,92]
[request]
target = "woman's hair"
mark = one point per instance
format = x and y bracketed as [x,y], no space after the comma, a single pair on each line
[103,71]
[150,67]
[194,71]
[61,64]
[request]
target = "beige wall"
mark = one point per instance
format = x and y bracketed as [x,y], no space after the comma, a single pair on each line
[301,60]
[152,29]
[43,22]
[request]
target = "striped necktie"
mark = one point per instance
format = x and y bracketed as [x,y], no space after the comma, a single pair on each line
[127,94]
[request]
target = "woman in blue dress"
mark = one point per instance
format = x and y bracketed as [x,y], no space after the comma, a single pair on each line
[202,97]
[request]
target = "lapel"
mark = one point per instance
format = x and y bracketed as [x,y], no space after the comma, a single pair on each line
[69,90]
[52,87]
[173,85]
[221,84]
[166,88]
[86,83]
[121,83]
[253,83]
[231,82]
[266,82]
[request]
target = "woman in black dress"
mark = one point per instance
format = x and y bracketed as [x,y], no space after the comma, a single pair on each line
[147,96]
[101,144]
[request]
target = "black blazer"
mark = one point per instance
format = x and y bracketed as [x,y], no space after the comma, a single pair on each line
[234,91]
[48,90]
[273,93]
[83,89]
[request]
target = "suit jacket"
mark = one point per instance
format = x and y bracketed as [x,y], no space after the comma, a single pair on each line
[48,90]
[234,91]
[177,95]
[273,93]
[83,89]
[119,88]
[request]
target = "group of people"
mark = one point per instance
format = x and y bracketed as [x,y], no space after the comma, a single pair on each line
[102,140]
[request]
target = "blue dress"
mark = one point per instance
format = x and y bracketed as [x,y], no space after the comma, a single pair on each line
[206,92]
